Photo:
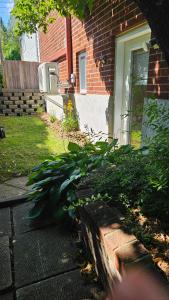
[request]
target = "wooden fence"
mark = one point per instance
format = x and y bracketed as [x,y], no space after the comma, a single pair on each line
[20,74]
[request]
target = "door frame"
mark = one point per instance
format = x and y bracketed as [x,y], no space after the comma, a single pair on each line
[119,76]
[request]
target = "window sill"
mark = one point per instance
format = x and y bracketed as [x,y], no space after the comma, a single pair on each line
[83,92]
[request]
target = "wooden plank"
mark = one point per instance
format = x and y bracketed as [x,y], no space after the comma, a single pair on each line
[20,75]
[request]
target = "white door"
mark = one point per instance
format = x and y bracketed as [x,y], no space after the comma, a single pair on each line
[132,58]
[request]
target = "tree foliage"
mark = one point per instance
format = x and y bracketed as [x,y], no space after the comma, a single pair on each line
[157,14]
[10,43]
[34,14]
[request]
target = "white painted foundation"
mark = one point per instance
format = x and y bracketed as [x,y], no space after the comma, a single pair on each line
[94,111]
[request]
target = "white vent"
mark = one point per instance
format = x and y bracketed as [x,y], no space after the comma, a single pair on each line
[48,78]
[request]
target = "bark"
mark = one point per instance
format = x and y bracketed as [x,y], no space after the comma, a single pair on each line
[157,14]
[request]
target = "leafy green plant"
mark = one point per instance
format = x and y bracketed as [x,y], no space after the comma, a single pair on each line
[130,177]
[31,15]
[40,109]
[54,182]
[70,121]
[53,119]
[10,43]
[72,208]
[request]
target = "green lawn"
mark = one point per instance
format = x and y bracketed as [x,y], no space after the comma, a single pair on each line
[28,142]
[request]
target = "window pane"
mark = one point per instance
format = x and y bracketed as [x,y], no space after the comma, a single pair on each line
[82,71]
[140,60]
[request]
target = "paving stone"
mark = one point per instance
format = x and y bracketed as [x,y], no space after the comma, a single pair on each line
[69,286]
[7,192]
[42,253]
[5,264]
[19,182]
[5,223]
[22,223]
[7,297]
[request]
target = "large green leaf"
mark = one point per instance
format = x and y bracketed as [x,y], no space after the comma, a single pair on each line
[74,147]
[37,210]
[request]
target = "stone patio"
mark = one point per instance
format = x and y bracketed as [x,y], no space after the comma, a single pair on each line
[37,262]
[13,189]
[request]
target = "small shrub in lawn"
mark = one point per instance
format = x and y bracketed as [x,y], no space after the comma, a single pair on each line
[40,110]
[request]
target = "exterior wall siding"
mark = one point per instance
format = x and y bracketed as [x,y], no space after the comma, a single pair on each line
[53,40]
[96,35]
[158,79]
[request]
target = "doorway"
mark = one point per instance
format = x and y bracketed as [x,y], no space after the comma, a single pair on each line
[131,75]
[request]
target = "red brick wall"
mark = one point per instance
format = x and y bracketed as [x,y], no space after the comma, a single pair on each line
[52,46]
[97,37]
[52,41]
[158,82]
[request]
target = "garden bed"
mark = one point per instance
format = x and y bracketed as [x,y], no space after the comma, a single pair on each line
[154,234]
[73,136]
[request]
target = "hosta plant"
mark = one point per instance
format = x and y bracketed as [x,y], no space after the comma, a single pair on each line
[54,182]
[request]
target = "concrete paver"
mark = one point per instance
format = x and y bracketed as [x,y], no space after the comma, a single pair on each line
[5,222]
[21,221]
[19,182]
[5,264]
[7,192]
[8,296]
[69,286]
[41,256]
[42,253]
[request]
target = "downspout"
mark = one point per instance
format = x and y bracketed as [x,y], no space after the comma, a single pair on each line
[69,55]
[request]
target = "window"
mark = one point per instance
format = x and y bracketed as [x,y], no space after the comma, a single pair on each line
[82,72]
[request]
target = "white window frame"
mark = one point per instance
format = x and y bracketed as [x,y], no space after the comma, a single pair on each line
[82,54]
[119,74]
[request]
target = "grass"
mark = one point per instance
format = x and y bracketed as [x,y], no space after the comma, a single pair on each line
[28,142]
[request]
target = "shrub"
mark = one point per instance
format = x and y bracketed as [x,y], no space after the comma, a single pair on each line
[40,109]
[55,180]
[130,177]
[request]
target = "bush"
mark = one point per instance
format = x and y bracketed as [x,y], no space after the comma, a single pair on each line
[130,177]
[55,180]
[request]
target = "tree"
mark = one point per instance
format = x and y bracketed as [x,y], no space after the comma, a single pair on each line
[34,14]
[157,14]
[10,43]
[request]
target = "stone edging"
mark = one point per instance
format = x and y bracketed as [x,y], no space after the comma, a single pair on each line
[113,249]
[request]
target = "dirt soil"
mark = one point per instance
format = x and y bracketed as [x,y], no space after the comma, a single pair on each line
[154,235]
[73,136]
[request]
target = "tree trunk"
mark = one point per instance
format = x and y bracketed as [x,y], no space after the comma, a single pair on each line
[157,14]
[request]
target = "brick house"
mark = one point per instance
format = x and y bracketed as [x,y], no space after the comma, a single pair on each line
[115,65]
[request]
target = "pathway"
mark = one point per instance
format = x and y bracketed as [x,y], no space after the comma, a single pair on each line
[37,261]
